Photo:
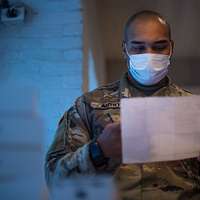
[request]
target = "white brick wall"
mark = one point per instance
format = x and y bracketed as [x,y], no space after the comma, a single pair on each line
[46,53]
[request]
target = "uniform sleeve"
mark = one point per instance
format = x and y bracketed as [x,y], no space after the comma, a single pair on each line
[69,153]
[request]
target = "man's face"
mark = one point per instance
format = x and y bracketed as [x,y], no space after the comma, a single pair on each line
[148,37]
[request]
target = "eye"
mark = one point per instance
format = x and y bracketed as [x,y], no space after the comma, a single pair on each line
[138,48]
[159,47]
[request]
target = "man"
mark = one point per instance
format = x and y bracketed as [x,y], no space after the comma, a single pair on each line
[88,139]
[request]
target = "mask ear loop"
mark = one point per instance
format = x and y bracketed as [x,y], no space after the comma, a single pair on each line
[170,55]
[126,50]
[128,61]
[128,55]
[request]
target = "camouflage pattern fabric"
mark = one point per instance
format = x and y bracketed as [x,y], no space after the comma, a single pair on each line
[85,120]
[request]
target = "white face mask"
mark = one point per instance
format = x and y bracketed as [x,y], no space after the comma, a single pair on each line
[148,68]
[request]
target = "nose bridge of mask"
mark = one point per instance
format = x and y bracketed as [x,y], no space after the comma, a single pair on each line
[149,61]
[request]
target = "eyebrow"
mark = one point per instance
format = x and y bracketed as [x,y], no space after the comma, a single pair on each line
[161,41]
[156,42]
[137,42]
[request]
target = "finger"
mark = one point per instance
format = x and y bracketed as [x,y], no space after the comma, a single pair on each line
[116,125]
[112,125]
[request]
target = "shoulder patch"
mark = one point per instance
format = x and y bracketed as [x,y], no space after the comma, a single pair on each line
[107,93]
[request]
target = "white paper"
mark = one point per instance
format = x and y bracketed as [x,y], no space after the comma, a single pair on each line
[160,128]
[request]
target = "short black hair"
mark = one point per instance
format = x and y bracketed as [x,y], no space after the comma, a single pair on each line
[145,14]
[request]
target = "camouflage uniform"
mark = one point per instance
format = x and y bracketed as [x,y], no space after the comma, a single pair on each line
[83,122]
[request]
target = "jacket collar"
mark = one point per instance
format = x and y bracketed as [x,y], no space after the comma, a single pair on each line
[131,88]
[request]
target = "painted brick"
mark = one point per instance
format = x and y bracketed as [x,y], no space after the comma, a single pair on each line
[54,30]
[42,31]
[33,43]
[73,55]
[70,4]
[58,18]
[50,4]
[46,53]
[76,29]
[60,69]
[68,58]
[62,6]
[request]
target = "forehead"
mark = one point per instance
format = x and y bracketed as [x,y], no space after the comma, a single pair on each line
[147,31]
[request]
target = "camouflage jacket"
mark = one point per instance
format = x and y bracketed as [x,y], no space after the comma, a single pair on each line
[85,120]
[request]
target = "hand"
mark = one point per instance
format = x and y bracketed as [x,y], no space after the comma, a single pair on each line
[110,141]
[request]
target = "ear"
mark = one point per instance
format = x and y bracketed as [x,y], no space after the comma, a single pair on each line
[172,47]
[124,51]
